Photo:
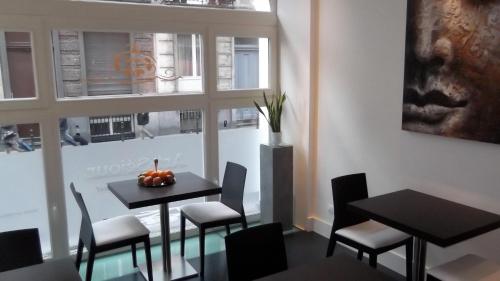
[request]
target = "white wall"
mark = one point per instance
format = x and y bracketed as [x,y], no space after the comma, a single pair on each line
[361,60]
[294,31]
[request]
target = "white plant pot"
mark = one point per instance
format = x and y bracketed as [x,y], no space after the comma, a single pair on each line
[274,138]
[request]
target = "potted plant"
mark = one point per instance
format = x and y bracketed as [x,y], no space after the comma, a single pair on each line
[274,110]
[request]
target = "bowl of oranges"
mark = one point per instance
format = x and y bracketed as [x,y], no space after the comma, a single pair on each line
[156,177]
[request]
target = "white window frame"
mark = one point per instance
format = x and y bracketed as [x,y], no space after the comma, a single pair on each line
[42,17]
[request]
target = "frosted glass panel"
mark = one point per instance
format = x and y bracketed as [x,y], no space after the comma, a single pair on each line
[120,148]
[22,191]
[240,135]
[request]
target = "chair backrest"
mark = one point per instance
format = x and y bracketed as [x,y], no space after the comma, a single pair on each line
[346,189]
[86,231]
[19,248]
[256,252]
[233,186]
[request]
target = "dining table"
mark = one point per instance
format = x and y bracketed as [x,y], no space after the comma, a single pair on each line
[51,270]
[428,219]
[187,186]
[337,267]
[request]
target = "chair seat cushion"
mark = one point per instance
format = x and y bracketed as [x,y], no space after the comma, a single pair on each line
[467,268]
[372,234]
[118,229]
[209,212]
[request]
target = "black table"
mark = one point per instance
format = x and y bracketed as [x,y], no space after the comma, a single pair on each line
[54,270]
[187,186]
[428,219]
[339,267]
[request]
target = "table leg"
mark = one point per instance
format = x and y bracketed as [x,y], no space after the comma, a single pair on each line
[165,234]
[420,252]
[170,268]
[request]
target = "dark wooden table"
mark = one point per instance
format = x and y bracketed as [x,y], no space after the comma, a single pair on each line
[428,219]
[339,267]
[54,270]
[187,186]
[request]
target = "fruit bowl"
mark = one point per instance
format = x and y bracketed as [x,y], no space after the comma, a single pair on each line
[156,178]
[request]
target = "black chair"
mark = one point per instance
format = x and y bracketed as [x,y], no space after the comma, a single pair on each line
[256,252]
[358,232]
[214,214]
[19,248]
[110,234]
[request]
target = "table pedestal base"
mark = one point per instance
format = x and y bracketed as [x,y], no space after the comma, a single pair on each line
[420,252]
[181,269]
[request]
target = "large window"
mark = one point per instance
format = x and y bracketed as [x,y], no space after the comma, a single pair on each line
[242,63]
[123,63]
[255,5]
[16,66]
[122,147]
[22,191]
[113,86]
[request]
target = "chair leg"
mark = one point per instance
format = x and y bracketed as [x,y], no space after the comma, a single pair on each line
[149,264]
[228,230]
[409,260]
[202,251]
[79,253]
[183,234]
[360,255]
[244,219]
[134,255]
[373,260]
[331,244]
[90,265]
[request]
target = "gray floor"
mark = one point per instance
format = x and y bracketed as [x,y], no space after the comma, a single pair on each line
[302,248]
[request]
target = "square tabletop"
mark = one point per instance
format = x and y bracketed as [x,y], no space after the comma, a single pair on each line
[187,186]
[54,270]
[433,219]
[338,267]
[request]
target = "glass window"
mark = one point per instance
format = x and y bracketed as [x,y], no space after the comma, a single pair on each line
[240,128]
[253,5]
[17,80]
[242,63]
[123,63]
[22,193]
[122,147]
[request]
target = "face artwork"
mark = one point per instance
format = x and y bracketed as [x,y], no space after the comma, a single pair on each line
[452,69]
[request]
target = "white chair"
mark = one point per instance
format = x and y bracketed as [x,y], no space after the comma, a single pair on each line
[110,234]
[467,268]
[213,214]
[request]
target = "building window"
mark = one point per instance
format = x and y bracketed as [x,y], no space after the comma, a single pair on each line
[16,66]
[122,63]
[242,63]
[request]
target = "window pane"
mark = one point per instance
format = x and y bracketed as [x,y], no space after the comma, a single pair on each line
[242,63]
[254,5]
[102,149]
[22,192]
[16,66]
[123,63]
[240,136]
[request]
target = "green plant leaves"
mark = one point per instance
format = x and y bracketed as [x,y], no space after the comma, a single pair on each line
[274,110]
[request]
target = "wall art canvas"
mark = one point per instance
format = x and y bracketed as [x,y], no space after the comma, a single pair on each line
[452,69]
